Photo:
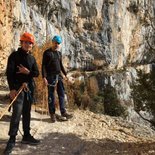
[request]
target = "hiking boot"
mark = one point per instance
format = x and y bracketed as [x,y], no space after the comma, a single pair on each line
[60,118]
[68,116]
[30,140]
[53,118]
[9,148]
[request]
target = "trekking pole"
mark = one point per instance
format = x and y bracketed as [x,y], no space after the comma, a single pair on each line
[6,109]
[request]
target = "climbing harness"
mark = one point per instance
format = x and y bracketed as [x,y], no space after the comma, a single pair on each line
[55,81]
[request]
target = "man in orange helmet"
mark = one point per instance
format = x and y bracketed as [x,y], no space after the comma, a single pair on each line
[21,68]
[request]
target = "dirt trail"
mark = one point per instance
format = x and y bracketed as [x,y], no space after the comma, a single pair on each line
[85,134]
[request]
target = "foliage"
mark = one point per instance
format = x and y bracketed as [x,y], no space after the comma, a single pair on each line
[112,105]
[97,104]
[86,100]
[75,92]
[92,86]
[147,19]
[143,92]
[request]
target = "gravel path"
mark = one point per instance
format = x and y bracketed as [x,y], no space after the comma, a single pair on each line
[85,134]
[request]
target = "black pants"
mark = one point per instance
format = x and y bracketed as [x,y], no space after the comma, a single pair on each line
[22,106]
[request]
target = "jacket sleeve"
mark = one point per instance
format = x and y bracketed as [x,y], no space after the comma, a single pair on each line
[34,72]
[10,71]
[43,67]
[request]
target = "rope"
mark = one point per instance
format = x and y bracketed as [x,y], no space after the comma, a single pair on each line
[7,108]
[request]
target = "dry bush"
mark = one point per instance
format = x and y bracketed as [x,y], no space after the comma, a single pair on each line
[92,86]
[69,90]
[40,90]
[85,100]
[76,74]
[83,94]
[74,92]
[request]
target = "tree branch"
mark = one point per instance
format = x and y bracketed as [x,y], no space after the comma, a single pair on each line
[150,121]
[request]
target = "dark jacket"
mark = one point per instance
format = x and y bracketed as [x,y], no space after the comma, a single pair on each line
[52,63]
[16,58]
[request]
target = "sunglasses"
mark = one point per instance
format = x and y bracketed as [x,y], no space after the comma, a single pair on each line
[28,43]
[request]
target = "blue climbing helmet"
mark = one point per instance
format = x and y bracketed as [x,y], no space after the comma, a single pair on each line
[57,39]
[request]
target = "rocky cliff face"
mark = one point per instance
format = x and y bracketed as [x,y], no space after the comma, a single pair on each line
[106,34]
[6,35]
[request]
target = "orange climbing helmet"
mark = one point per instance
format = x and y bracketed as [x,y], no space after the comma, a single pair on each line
[27,37]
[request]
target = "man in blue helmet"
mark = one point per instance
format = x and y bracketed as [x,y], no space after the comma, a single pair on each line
[51,72]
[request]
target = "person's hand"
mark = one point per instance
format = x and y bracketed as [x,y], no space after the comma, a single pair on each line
[12,94]
[23,70]
[45,81]
[25,87]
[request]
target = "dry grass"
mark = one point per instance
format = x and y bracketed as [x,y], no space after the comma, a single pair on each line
[92,86]
[41,90]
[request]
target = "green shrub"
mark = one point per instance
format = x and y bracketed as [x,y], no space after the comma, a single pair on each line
[97,103]
[112,104]
[143,93]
